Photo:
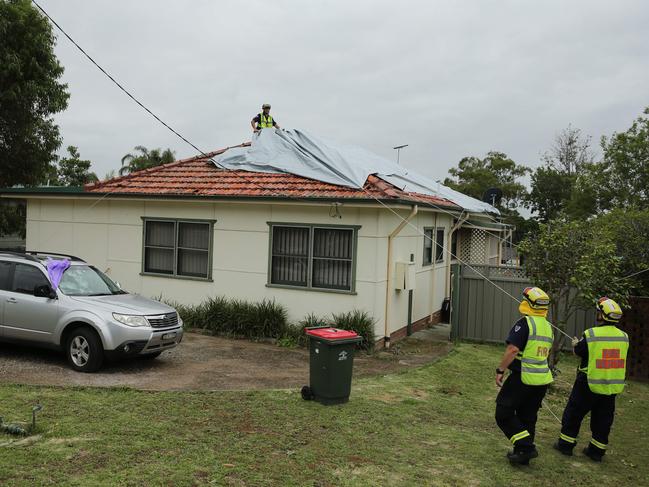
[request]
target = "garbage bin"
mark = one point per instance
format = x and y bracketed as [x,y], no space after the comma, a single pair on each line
[331,359]
[445,315]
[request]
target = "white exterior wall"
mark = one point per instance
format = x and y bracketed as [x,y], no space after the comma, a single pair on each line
[108,234]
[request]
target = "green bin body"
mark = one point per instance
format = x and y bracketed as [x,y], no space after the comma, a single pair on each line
[331,363]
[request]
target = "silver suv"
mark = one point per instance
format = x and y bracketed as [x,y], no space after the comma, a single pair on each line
[88,316]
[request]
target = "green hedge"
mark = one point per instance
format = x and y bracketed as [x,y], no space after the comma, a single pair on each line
[268,319]
[236,317]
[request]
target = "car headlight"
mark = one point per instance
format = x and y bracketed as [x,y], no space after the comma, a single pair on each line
[180,320]
[131,320]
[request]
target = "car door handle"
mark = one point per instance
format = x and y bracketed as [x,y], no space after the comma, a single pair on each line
[11,300]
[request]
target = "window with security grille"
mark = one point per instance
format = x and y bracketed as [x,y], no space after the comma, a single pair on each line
[311,256]
[178,248]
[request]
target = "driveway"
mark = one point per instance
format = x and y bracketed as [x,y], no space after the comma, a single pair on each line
[208,363]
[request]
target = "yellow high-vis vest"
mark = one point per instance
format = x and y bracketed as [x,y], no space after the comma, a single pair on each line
[265,122]
[535,370]
[607,351]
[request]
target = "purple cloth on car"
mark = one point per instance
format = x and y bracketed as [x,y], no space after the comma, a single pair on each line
[55,270]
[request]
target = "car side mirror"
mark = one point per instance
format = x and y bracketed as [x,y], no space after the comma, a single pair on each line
[45,291]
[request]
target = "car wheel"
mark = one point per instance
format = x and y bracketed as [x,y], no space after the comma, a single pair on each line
[84,350]
[150,356]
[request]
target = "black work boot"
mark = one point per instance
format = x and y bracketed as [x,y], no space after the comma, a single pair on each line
[594,455]
[522,456]
[562,448]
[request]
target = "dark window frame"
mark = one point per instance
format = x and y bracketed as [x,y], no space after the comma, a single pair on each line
[440,249]
[310,258]
[427,260]
[177,222]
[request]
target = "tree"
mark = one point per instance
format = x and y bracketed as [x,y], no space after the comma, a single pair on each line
[575,262]
[146,159]
[73,171]
[550,192]
[474,176]
[562,185]
[30,93]
[630,232]
[12,217]
[625,168]
[570,152]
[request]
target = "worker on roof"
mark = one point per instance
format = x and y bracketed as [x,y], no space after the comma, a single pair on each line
[600,377]
[518,402]
[263,120]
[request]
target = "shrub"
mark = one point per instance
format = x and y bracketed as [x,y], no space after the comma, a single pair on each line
[294,334]
[192,316]
[236,317]
[359,321]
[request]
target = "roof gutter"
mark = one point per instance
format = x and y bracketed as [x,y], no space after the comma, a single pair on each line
[16,195]
[388,286]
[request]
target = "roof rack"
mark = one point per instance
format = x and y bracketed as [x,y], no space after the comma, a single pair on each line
[19,254]
[55,254]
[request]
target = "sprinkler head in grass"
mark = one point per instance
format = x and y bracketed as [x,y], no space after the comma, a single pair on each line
[36,409]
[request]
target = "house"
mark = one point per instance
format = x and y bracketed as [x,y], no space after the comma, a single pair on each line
[189,229]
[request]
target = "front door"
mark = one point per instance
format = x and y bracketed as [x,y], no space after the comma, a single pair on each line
[27,317]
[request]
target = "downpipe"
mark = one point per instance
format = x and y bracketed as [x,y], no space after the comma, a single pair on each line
[388,287]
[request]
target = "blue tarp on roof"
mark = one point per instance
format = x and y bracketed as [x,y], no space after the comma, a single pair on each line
[300,153]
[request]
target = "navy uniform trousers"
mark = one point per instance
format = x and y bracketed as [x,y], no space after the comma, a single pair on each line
[517,407]
[602,411]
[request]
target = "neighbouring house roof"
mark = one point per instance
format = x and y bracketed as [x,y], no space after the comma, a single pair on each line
[199,177]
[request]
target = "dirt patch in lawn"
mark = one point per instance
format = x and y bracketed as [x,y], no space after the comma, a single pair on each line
[207,363]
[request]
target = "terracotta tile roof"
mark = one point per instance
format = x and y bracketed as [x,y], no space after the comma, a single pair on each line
[198,176]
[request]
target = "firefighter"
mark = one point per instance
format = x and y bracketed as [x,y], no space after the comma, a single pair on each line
[528,346]
[600,377]
[264,119]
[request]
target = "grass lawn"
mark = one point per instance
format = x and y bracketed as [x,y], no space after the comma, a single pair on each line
[429,426]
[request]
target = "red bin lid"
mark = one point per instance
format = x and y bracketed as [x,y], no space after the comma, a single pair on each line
[331,333]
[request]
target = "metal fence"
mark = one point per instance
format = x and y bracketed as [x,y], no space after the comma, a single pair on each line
[482,310]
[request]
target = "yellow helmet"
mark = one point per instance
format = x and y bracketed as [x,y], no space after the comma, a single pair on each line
[536,297]
[610,310]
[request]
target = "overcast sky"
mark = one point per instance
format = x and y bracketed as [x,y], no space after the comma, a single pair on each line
[451,79]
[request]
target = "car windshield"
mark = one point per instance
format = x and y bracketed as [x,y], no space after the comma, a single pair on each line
[85,280]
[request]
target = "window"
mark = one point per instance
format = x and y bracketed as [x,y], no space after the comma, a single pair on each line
[178,248]
[28,277]
[429,244]
[310,256]
[439,245]
[6,270]
[428,247]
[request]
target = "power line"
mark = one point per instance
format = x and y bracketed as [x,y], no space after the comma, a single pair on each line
[202,153]
[144,107]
